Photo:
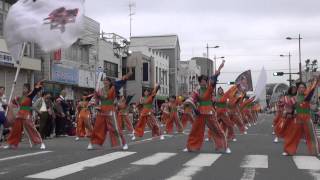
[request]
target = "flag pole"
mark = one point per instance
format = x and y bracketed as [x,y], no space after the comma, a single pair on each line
[19,62]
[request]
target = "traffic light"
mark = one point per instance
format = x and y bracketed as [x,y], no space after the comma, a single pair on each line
[231,83]
[278,74]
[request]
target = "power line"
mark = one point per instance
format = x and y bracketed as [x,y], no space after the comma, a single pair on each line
[269,70]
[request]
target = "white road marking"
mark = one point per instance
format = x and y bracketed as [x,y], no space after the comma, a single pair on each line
[307,162]
[154,159]
[249,174]
[315,174]
[194,166]
[186,173]
[250,163]
[79,166]
[203,160]
[255,161]
[24,155]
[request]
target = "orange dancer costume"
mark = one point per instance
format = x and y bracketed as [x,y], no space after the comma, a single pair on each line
[206,116]
[173,117]
[234,112]
[84,124]
[187,115]
[302,127]
[287,118]
[23,120]
[222,112]
[146,115]
[106,119]
[165,112]
[245,109]
[123,116]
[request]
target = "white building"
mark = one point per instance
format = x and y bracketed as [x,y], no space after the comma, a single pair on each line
[30,64]
[188,79]
[159,69]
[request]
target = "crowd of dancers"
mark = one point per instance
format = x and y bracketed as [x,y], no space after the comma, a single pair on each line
[219,114]
[293,120]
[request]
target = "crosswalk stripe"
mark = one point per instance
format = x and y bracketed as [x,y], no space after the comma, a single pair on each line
[24,155]
[79,166]
[203,160]
[154,159]
[186,173]
[194,166]
[307,162]
[255,161]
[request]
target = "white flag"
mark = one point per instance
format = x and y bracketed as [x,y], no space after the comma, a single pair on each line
[261,84]
[52,24]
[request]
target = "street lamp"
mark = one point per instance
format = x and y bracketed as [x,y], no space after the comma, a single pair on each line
[290,77]
[208,47]
[300,66]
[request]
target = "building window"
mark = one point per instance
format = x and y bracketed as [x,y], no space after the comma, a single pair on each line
[1,24]
[156,74]
[111,69]
[84,54]
[145,72]
[133,76]
[78,54]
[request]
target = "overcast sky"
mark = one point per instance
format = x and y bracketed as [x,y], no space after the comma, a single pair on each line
[251,33]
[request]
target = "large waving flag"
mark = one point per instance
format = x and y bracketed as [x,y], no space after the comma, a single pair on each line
[52,24]
[244,80]
[261,84]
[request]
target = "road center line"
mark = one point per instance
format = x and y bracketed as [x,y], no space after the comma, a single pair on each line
[194,166]
[255,161]
[24,155]
[250,163]
[307,162]
[154,159]
[79,166]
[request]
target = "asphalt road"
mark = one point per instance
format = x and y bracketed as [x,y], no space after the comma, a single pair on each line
[254,156]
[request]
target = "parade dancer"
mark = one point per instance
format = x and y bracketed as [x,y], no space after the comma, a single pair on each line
[286,114]
[187,115]
[106,121]
[173,116]
[3,105]
[302,127]
[222,112]
[234,112]
[146,115]
[123,116]
[84,124]
[245,109]
[23,120]
[165,112]
[206,116]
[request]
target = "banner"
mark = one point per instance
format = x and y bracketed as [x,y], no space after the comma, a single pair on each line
[261,84]
[244,80]
[52,24]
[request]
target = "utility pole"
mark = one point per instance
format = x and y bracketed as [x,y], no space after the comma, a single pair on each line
[131,14]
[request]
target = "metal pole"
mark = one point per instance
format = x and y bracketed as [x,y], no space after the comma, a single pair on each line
[19,62]
[207,59]
[290,75]
[300,66]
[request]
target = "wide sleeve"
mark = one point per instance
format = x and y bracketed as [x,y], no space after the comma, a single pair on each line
[310,91]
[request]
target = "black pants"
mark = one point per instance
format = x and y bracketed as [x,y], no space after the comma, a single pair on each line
[60,126]
[45,123]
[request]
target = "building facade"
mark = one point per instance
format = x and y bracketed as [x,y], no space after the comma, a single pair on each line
[72,69]
[206,65]
[168,45]
[152,66]
[29,64]
[188,80]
